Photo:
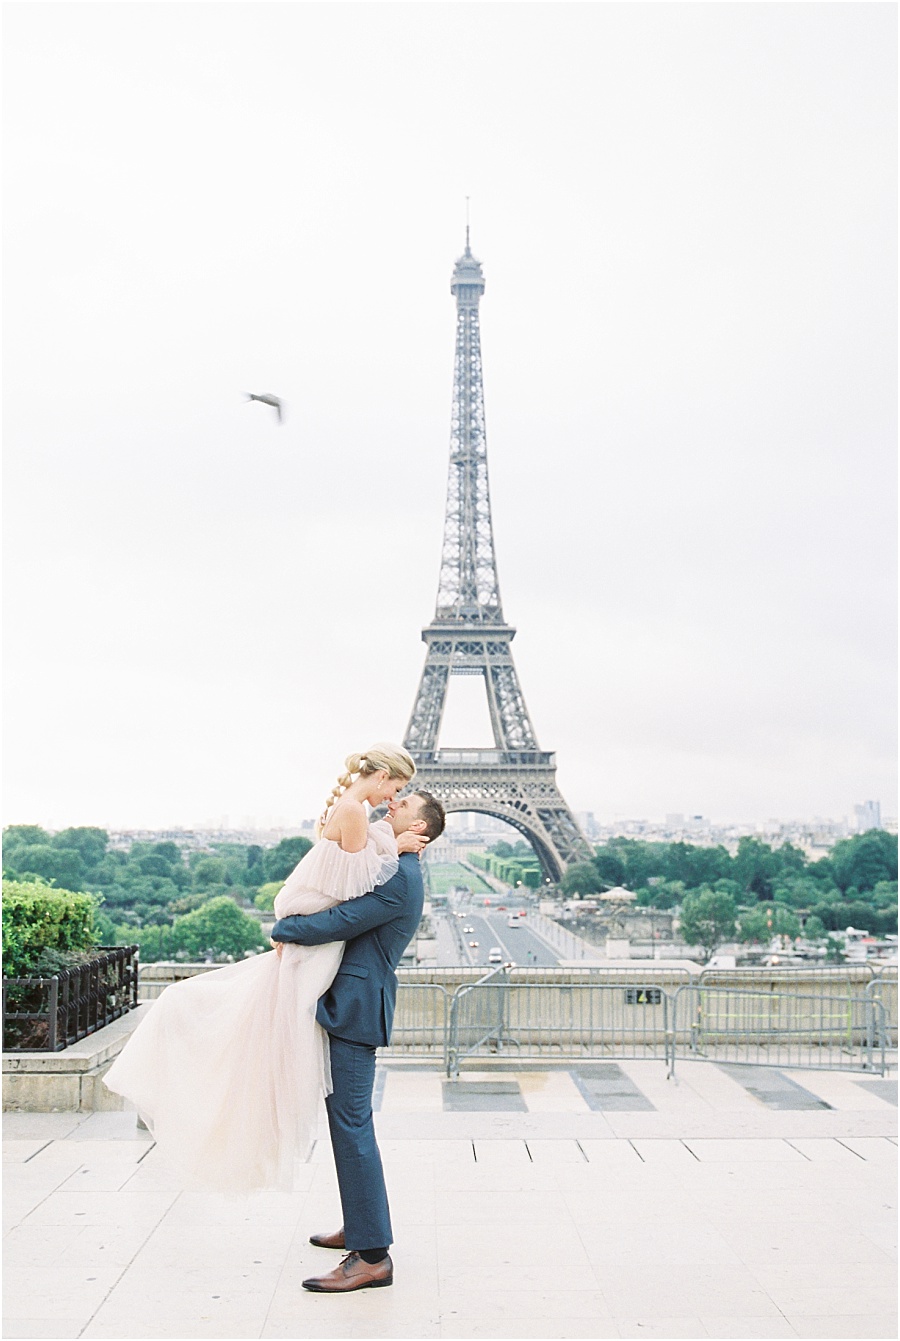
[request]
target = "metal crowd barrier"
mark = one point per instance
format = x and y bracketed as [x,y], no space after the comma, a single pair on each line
[845,1020]
[883,988]
[420,1021]
[477,1019]
[557,1021]
[701,1022]
[777,1028]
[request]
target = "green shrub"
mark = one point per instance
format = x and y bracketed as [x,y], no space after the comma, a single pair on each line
[39,919]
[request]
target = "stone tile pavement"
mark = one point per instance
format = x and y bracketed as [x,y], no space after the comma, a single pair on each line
[698,1212]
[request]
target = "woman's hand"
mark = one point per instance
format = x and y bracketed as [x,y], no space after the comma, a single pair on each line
[411,842]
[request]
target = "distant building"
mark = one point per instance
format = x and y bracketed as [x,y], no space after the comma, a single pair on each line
[868,816]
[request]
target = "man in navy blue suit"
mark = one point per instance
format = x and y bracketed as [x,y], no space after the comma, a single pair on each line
[357,1011]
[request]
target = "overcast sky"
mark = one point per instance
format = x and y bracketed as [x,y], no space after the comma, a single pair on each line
[686,217]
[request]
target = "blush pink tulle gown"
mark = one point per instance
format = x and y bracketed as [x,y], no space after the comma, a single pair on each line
[229,1068]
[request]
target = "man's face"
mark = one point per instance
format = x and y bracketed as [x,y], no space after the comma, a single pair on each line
[403,814]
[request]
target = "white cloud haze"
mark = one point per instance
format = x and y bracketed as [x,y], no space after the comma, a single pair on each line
[686,216]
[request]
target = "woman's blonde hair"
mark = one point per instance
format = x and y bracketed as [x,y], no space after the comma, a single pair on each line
[396,761]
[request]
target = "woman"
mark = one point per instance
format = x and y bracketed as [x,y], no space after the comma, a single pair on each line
[229,1067]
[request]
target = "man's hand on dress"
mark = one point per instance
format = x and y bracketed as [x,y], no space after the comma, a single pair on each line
[277,946]
[411,842]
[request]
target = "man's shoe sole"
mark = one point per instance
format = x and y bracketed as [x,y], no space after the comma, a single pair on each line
[334,1247]
[366,1285]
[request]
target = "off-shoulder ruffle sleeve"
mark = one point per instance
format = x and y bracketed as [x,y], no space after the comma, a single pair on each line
[337,875]
[347,875]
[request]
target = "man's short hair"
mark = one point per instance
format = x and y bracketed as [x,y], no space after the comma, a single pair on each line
[432,812]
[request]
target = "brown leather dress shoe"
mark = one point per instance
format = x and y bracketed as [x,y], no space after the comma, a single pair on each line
[353,1274]
[335,1240]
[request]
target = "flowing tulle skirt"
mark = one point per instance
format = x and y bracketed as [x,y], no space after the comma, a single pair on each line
[229,1068]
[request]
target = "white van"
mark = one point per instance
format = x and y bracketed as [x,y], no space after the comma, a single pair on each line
[496,955]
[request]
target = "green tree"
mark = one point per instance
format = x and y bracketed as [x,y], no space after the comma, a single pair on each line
[707,919]
[153,864]
[764,921]
[91,844]
[865,860]
[280,860]
[265,899]
[755,866]
[501,849]
[609,866]
[884,894]
[661,894]
[208,871]
[814,929]
[186,904]
[797,892]
[169,852]
[63,866]
[106,872]
[790,859]
[217,927]
[696,866]
[643,861]
[582,878]
[24,835]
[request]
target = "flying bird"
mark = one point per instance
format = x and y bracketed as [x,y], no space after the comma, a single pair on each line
[270,399]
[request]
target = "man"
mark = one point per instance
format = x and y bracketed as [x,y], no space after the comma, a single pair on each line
[357,1012]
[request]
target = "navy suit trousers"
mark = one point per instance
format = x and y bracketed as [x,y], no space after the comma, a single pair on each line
[367,1220]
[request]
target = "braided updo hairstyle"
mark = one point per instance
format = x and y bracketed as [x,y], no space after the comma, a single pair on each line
[392,758]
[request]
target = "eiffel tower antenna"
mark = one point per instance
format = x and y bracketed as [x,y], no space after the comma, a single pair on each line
[516,780]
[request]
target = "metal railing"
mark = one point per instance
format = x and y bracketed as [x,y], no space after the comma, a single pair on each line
[574,1020]
[477,1019]
[832,1032]
[49,1014]
[592,1019]
[421,1019]
[835,1017]
[883,988]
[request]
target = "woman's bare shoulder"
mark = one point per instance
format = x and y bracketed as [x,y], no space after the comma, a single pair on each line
[347,824]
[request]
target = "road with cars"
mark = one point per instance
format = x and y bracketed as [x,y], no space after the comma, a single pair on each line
[489,929]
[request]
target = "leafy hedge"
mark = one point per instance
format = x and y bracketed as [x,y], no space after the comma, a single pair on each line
[42,923]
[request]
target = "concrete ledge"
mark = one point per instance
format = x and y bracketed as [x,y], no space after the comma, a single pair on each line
[69,1081]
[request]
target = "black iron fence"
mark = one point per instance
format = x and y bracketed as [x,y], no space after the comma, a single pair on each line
[49,1014]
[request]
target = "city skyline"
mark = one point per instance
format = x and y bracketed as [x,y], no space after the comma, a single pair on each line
[594,824]
[689,327]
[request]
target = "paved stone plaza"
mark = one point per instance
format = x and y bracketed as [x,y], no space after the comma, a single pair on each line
[593,1201]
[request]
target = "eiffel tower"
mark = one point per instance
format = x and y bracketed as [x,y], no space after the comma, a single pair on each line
[515,781]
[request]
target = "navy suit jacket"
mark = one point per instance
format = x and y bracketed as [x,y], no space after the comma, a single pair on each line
[359,1004]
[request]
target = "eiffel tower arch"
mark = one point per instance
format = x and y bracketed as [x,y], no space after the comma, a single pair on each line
[516,780]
